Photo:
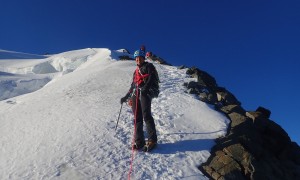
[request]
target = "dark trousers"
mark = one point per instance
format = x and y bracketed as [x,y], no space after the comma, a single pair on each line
[143,112]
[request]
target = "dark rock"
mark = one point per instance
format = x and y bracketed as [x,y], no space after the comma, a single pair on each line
[194,85]
[126,51]
[190,71]
[265,112]
[203,78]
[232,108]
[254,147]
[275,138]
[254,115]
[192,91]
[236,119]
[125,57]
[226,97]
[224,165]
[240,155]
[159,60]
[205,94]
[267,168]
[203,97]
[294,153]
[210,98]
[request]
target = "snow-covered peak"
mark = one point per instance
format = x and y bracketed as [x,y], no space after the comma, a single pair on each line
[121,54]
[4,54]
[64,129]
[39,72]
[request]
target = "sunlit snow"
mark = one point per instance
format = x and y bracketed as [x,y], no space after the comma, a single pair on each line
[58,115]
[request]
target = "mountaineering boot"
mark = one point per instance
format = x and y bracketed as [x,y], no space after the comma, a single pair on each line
[149,146]
[138,146]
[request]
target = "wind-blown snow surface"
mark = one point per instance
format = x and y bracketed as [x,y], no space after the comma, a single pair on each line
[65,130]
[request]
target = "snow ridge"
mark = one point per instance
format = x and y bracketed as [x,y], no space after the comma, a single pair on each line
[65,130]
[18,55]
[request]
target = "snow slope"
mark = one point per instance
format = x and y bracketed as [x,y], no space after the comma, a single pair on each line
[18,55]
[64,128]
[25,75]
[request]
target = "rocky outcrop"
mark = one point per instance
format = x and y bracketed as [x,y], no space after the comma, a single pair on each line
[125,55]
[255,147]
[158,59]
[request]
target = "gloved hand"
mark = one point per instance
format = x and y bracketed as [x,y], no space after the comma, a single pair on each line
[124,99]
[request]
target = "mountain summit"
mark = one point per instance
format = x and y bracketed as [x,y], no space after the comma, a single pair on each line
[58,117]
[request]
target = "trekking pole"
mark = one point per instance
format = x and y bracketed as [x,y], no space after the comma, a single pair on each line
[119,117]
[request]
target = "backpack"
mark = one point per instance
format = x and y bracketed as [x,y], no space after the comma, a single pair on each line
[154,89]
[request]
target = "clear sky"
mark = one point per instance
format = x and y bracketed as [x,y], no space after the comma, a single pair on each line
[251,47]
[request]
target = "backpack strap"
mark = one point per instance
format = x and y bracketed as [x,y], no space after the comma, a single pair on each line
[139,77]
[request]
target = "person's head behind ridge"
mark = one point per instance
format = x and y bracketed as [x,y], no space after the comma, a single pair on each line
[143,48]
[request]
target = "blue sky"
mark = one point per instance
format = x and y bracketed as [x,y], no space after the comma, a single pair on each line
[251,47]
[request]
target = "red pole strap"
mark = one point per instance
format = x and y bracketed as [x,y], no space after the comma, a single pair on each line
[134,134]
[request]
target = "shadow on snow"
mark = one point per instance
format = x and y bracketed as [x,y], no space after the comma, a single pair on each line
[185,145]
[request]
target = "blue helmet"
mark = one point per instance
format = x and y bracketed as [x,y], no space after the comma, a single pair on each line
[139,53]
